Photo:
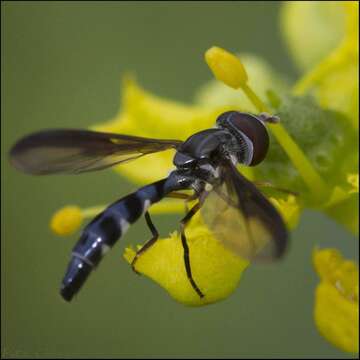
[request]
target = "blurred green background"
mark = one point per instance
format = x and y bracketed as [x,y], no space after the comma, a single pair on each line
[61,65]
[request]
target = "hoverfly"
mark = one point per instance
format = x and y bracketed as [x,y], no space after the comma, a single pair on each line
[233,208]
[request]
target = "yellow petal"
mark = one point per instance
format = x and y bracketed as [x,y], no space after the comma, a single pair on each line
[339,90]
[147,115]
[335,76]
[337,299]
[343,274]
[337,318]
[216,270]
[312,29]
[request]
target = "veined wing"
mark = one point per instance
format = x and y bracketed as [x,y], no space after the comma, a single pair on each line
[243,220]
[70,151]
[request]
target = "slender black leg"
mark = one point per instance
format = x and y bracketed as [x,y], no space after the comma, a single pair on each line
[149,243]
[183,223]
[153,229]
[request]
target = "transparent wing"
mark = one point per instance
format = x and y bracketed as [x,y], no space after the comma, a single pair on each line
[243,220]
[76,151]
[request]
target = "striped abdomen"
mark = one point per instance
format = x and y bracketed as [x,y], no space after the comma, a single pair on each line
[103,232]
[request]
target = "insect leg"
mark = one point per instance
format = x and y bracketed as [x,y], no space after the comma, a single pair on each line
[153,229]
[274,187]
[149,243]
[183,223]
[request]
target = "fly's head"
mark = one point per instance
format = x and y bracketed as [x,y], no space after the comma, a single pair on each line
[252,138]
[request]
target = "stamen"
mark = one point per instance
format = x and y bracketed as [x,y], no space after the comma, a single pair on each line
[226,67]
[66,220]
[69,219]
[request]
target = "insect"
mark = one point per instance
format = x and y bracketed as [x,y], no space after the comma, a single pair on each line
[233,208]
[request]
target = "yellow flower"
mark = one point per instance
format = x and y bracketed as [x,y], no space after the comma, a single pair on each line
[216,270]
[330,57]
[319,161]
[313,149]
[337,299]
[185,120]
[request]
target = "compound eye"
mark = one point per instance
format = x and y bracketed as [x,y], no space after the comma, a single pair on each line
[249,125]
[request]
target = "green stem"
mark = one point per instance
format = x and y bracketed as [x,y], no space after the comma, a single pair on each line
[93,211]
[254,98]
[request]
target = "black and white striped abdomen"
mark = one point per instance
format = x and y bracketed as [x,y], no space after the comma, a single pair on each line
[104,231]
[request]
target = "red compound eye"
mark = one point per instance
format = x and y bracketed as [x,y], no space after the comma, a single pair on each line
[252,127]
